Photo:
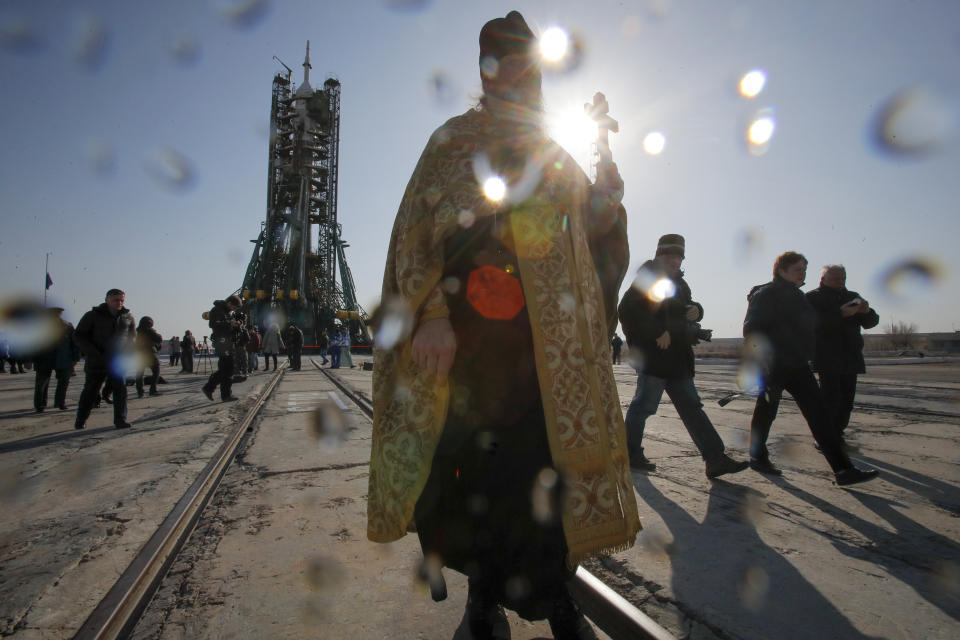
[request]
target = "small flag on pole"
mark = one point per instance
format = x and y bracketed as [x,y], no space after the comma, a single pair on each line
[49,280]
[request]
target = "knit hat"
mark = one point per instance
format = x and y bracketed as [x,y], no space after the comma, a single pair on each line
[671,243]
[503,36]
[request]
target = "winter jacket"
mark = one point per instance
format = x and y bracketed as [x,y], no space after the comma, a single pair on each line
[221,329]
[293,336]
[644,320]
[253,341]
[839,345]
[188,344]
[272,342]
[62,354]
[149,342]
[779,312]
[101,335]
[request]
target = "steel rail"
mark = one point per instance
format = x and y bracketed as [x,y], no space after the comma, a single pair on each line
[119,610]
[605,607]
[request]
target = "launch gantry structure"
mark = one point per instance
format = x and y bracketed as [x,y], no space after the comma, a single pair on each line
[292,275]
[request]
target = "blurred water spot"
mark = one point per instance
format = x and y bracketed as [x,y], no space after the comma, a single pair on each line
[545,497]
[478,504]
[635,358]
[910,277]
[80,474]
[9,484]
[756,353]
[653,540]
[18,36]
[236,255]
[124,363]
[185,51]
[92,43]
[494,188]
[27,326]
[793,450]
[443,89]
[946,578]
[754,510]
[451,285]
[171,170]
[750,378]
[393,322]
[567,303]
[466,218]
[429,573]
[914,121]
[659,8]
[407,5]
[328,425]
[752,83]
[244,14]
[489,67]
[754,585]
[563,51]
[760,132]
[103,158]
[654,143]
[748,243]
[322,573]
[517,587]
[630,27]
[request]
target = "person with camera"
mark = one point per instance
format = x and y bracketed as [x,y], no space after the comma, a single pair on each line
[661,323]
[223,326]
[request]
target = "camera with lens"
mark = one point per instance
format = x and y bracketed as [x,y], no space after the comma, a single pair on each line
[696,334]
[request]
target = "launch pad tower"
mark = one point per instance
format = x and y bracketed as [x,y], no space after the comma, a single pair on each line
[292,275]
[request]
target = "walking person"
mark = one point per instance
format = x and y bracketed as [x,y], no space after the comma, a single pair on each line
[175,351]
[293,338]
[106,336]
[60,357]
[188,346]
[780,317]
[272,344]
[149,343]
[616,344]
[346,358]
[253,347]
[838,356]
[485,405]
[335,348]
[664,329]
[222,333]
[324,343]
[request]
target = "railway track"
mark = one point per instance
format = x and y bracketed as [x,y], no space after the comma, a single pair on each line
[119,611]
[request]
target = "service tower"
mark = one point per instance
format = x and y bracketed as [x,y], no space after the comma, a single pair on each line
[292,275]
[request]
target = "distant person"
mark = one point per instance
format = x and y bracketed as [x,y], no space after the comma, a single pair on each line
[60,357]
[324,343]
[293,337]
[336,348]
[223,326]
[838,357]
[188,346]
[780,317]
[346,358]
[148,344]
[106,336]
[663,331]
[616,345]
[175,351]
[4,354]
[272,344]
[253,348]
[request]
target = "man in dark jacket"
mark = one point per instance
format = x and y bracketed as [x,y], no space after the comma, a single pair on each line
[293,337]
[779,327]
[838,358]
[105,335]
[660,320]
[148,344]
[223,326]
[59,357]
[188,345]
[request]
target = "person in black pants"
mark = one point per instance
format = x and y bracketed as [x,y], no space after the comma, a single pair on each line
[841,314]
[105,335]
[60,357]
[293,337]
[223,325]
[780,317]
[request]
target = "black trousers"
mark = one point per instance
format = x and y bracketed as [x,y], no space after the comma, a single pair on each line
[42,386]
[803,387]
[294,357]
[91,392]
[155,370]
[223,376]
[187,362]
[266,361]
[838,390]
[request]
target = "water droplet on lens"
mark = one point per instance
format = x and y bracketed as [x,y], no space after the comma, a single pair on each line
[93,43]
[466,218]
[430,573]
[407,5]
[27,326]
[545,497]
[185,51]
[322,573]
[752,83]
[443,89]
[517,588]
[760,132]
[103,159]
[914,122]
[244,14]
[630,27]
[451,285]
[18,36]
[171,170]
[328,425]
[910,277]
[392,322]
[754,585]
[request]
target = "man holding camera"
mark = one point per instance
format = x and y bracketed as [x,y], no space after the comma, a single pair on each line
[223,327]
[661,323]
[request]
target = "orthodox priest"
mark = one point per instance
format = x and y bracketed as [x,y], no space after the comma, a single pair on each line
[498,434]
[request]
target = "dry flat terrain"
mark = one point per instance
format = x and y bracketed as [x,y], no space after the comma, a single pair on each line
[281,551]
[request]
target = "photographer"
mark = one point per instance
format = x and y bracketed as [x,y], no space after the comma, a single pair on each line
[223,327]
[661,323]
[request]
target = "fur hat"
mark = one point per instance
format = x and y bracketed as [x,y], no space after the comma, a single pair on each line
[671,243]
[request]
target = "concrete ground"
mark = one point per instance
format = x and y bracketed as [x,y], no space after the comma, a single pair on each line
[282,551]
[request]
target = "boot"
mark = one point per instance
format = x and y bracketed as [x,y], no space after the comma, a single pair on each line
[854,475]
[485,617]
[764,466]
[725,464]
[567,622]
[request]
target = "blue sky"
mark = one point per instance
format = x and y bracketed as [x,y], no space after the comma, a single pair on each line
[99,96]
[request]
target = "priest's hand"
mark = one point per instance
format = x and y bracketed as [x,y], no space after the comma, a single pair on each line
[434,345]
